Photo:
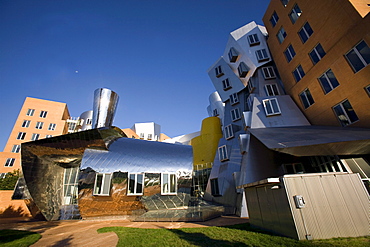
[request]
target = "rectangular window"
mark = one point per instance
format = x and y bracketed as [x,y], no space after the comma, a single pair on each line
[271,107]
[274,19]
[214,187]
[359,56]
[317,53]
[102,184]
[16,148]
[48,136]
[150,137]
[52,126]
[35,137]
[271,89]
[43,114]
[234,99]
[295,13]
[305,32]
[289,53]
[9,162]
[298,73]
[262,55]
[253,39]
[228,132]
[141,135]
[328,81]
[235,114]
[135,184]
[215,112]
[39,125]
[168,184]
[226,84]
[218,71]
[243,70]
[233,55]
[285,2]
[306,98]
[250,86]
[30,112]
[26,123]
[268,72]
[222,153]
[345,113]
[281,35]
[21,135]
[3,175]
[367,89]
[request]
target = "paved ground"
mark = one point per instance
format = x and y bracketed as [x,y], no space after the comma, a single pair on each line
[84,232]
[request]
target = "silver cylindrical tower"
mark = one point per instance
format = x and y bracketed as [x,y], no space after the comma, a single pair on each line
[105,104]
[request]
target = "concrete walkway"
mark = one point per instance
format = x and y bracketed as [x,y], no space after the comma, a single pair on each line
[84,232]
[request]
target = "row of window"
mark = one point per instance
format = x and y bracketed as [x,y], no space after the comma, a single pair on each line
[31,112]
[39,125]
[135,184]
[35,136]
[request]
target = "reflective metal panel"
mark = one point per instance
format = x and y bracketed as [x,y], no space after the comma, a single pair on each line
[105,104]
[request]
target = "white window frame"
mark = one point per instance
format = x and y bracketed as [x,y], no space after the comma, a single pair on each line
[295,13]
[304,98]
[226,85]
[52,126]
[136,182]
[272,89]
[3,175]
[43,114]
[234,98]
[35,137]
[327,81]
[218,71]
[297,71]
[253,39]
[171,188]
[222,153]
[269,109]
[274,19]
[289,53]
[268,72]
[30,112]
[305,32]
[105,183]
[16,148]
[21,135]
[262,55]
[39,125]
[142,135]
[281,35]
[315,51]
[150,137]
[345,117]
[9,162]
[228,132]
[359,56]
[235,114]
[26,123]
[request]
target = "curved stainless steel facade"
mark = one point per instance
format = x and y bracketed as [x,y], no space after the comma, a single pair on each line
[105,104]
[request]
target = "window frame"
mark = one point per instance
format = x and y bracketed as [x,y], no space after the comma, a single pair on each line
[281,35]
[294,14]
[262,55]
[16,148]
[305,32]
[272,89]
[234,98]
[135,193]
[228,132]
[223,153]
[274,19]
[233,55]
[170,175]
[267,72]
[9,162]
[226,85]
[284,2]
[52,126]
[306,98]
[359,56]
[253,39]
[267,103]
[21,135]
[103,184]
[367,90]
[235,114]
[26,123]
[289,51]
[30,112]
[219,71]
[215,188]
[39,125]
[243,70]
[317,53]
[43,114]
[297,73]
[328,81]
[35,137]
[346,114]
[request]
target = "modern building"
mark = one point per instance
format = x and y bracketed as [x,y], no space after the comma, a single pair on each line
[37,119]
[321,50]
[147,131]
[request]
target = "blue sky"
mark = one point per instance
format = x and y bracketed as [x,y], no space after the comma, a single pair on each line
[154,54]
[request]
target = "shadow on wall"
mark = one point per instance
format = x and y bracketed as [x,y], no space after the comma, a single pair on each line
[12,211]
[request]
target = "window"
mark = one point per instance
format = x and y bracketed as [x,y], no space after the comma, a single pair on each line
[233,55]
[281,35]
[222,153]
[135,184]
[39,125]
[226,84]
[215,112]
[294,168]
[48,136]
[234,99]
[295,13]
[235,114]
[285,2]
[274,19]
[250,86]
[30,112]
[214,187]
[26,123]
[243,70]
[9,162]
[3,175]
[228,132]
[306,98]
[328,81]
[289,53]
[141,135]
[21,135]
[271,90]
[359,56]
[317,54]
[253,39]
[298,73]
[150,137]
[168,184]
[262,55]
[271,106]
[89,121]
[52,126]
[43,114]
[345,113]
[268,72]
[305,32]
[16,148]
[35,137]
[102,184]
[367,89]
[219,72]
